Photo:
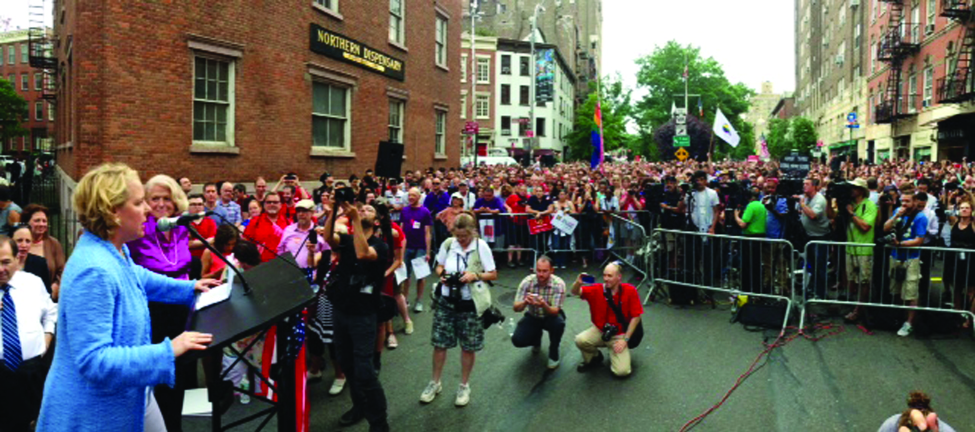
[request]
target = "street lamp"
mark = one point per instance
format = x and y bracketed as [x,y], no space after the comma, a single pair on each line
[474,17]
[534,77]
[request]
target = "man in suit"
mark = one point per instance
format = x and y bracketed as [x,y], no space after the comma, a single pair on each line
[28,318]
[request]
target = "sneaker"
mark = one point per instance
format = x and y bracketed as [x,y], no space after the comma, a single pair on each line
[905,330]
[408,327]
[391,342]
[430,393]
[351,417]
[554,364]
[314,376]
[337,386]
[596,361]
[463,395]
[418,308]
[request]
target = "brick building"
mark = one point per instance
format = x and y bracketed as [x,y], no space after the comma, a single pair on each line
[481,107]
[227,91]
[29,83]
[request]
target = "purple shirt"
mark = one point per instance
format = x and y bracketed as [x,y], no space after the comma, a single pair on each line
[414,221]
[293,240]
[158,255]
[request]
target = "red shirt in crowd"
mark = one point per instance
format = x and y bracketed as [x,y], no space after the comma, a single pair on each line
[398,244]
[266,234]
[207,228]
[517,204]
[599,310]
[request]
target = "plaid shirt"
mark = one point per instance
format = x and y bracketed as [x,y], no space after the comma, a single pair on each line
[553,293]
[230,212]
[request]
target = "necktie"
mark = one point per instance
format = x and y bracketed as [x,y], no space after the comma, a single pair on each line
[12,356]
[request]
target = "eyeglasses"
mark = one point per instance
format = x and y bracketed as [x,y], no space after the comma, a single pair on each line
[272,202]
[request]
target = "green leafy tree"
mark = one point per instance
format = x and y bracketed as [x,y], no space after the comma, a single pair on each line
[13,112]
[784,136]
[615,108]
[662,76]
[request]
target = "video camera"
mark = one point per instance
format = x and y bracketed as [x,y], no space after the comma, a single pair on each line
[344,194]
[841,191]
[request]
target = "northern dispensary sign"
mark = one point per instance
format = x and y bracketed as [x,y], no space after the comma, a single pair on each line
[339,47]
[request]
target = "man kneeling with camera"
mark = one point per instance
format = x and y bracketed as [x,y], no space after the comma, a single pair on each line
[615,312]
[541,296]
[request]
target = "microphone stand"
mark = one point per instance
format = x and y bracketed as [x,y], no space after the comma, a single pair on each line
[196,234]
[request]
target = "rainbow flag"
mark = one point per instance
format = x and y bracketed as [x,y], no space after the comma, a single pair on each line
[597,139]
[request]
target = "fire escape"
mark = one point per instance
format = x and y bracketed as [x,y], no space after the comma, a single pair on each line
[900,42]
[956,86]
[41,49]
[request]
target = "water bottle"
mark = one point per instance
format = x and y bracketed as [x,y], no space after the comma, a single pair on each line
[245,398]
[511,327]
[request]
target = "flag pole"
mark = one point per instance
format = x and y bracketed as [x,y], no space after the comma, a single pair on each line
[599,104]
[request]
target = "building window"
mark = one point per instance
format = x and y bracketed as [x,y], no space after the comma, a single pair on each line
[523,127]
[932,9]
[523,96]
[523,62]
[2,57]
[463,68]
[50,111]
[911,93]
[396,120]
[11,55]
[922,154]
[24,85]
[505,125]
[463,106]
[396,21]
[928,85]
[23,53]
[505,94]
[332,5]
[213,101]
[38,81]
[330,116]
[441,145]
[38,111]
[506,64]
[540,127]
[441,41]
[483,106]
[483,71]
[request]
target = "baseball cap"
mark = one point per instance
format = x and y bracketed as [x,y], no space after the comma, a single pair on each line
[305,204]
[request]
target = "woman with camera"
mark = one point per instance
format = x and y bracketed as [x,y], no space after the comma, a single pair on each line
[961,267]
[561,239]
[464,263]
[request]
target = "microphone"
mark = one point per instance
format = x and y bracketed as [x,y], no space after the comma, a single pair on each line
[166,224]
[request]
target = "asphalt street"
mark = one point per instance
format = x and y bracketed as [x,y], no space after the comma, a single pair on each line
[691,357]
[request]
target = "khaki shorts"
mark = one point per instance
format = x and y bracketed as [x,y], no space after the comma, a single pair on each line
[907,290]
[859,268]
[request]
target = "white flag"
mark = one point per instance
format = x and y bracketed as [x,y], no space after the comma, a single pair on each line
[673,108]
[724,129]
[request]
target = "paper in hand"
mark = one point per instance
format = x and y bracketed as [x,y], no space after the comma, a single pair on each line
[401,274]
[420,267]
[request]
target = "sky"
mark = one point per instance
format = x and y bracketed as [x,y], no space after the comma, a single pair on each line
[753,40]
[18,12]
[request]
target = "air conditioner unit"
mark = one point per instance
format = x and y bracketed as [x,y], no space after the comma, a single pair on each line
[839,59]
[506,70]
[928,29]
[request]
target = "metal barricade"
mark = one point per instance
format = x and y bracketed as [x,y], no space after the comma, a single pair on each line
[734,265]
[935,279]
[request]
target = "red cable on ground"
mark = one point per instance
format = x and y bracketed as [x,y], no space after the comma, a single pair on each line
[768,348]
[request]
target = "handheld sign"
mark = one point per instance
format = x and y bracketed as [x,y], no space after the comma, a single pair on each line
[796,165]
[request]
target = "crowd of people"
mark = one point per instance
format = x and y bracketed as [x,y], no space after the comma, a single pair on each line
[362,241]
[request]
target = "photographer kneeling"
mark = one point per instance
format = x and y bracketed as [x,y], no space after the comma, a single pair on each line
[607,301]
[541,295]
[464,261]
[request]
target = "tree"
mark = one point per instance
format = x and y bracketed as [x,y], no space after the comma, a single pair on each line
[661,75]
[13,112]
[786,135]
[615,108]
[699,132]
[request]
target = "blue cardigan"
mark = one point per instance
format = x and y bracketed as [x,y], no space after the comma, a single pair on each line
[105,361]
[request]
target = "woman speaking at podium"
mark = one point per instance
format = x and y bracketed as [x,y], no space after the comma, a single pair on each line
[106,366]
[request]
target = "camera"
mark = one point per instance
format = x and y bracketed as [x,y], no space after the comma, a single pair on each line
[842,191]
[452,281]
[343,195]
[887,239]
[608,332]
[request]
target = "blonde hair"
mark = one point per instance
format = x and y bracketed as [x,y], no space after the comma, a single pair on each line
[99,194]
[466,222]
[176,194]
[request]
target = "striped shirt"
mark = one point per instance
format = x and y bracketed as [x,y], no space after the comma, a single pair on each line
[553,293]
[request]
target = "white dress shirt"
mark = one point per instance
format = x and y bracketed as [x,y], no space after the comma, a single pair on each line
[36,314]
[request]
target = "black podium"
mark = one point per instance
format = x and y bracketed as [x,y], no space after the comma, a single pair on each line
[279,291]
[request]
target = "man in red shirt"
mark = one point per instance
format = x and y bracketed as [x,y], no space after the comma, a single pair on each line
[517,233]
[589,341]
[266,231]
[206,227]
